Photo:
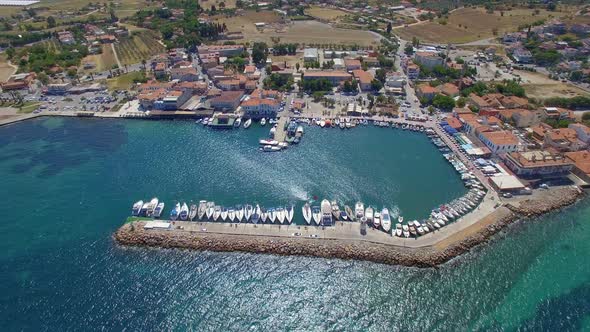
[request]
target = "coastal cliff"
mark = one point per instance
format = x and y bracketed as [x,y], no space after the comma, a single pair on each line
[134,234]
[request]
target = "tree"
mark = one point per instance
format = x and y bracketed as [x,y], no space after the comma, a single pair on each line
[380,74]
[297,66]
[376,85]
[51,22]
[461,102]
[409,49]
[268,70]
[389,28]
[259,53]
[443,102]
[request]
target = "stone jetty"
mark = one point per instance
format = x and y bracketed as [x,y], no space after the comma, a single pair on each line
[432,253]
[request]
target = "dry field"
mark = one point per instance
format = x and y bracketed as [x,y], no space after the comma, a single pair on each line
[540,86]
[142,46]
[6,70]
[104,61]
[328,14]
[469,24]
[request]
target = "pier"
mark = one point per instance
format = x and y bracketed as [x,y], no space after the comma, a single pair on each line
[281,133]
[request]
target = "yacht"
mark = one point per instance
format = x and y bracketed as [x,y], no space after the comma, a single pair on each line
[256,214]
[272,215]
[231,214]
[280,214]
[223,214]
[307,214]
[359,210]
[369,214]
[239,213]
[210,209]
[326,213]
[335,210]
[202,209]
[238,122]
[248,210]
[174,213]
[289,211]
[263,214]
[262,121]
[398,230]
[137,208]
[316,213]
[377,219]
[152,206]
[248,123]
[216,212]
[192,212]
[183,212]
[385,220]
[158,210]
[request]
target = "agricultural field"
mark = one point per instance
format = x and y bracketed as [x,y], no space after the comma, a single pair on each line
[6,70]
[140,46]
[470,24]
[327,14]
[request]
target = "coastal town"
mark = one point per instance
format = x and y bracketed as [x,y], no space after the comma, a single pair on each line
[508,108]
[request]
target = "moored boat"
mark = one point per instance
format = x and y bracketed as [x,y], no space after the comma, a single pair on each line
[385,220]
[359,210]
[377,219]
[239,213]
[216,212]
[256,214]
[369,214]
[136,210]
[263,214]
[272,215]
[349,213]
[224,213]
[231,214]
[280,211]
[183,215]
[151,206]
[202,209]
[192,212]
[262,121]
[158,210]
[248,123]
[289,212]
[316,213]
[307,214]
[398,229]
[248,210]
[335,210]
[210,209]
[238,122]
[326,209]
[175,211]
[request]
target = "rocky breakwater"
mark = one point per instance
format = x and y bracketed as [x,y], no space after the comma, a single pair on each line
[449,247]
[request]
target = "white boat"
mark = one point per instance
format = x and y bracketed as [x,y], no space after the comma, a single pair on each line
[400,219]
[385,220]
[192,212]
[335,210]
[216,212]
[136,210]
[202,209]
[256,214]
[322,123]
[270,142]
[239,213]
[263,214]
[406,230]
[183,215]
[377,219]
[272,215]
[262,121]
[316,213]
[280,214]
[158,210]
[307,215]
[175,211]
[152,206]
[326,209]
[224,213]
[231,214]
[270,148]
[349,214]
[369,214]
[248,123]
[210,209]
[289,213]
[238,122]
[248,210]
[398,230]
[144,208]
[359,210]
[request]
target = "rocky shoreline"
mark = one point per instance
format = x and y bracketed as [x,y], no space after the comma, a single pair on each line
[133,234]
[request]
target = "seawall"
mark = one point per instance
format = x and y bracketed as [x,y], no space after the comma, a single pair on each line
[385,249]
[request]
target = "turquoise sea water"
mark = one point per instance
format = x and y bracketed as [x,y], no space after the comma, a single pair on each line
[68,184]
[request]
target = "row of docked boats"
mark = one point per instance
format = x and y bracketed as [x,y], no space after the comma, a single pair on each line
[209,211]
[153,208]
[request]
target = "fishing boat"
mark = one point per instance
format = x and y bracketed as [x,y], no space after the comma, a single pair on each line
[335,210]
[175,211]
[369,214]
[263,122]
[231,214]
[349,214]
[377,219]
[316,214]
[216,212]
[289,212]
[238,123]
[202,209]
[280,214]
[151,206]
[272,215]
[326,209]
[359,210]
[398,229]
[136,210]
[223,214]
[263,214]
[183,212]
[192,212]
[239,213]
[247,123]
[158,210]
[385,220]
[256,214]
[210,209]
[307,214]
[248,210]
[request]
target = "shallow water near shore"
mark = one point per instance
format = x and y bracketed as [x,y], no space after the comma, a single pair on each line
[69,183]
